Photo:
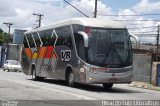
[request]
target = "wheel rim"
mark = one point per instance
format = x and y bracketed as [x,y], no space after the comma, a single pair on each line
[33,74]
[71,77]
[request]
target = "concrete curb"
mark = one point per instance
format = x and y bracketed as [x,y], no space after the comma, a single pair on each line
[144,85]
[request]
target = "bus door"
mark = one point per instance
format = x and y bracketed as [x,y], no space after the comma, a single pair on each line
[81,41]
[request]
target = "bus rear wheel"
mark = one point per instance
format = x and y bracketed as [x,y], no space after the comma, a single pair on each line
[107,86]
[34,75]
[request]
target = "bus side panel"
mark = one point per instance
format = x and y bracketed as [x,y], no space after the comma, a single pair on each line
[65,58]
[40,68]
[28,60]
[46,62]
[25,62]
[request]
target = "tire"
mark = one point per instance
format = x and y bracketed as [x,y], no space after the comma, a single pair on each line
[107,86]
[70,79]
[34,75]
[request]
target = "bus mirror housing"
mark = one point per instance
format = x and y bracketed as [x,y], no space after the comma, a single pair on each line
[85,37]
[136,39]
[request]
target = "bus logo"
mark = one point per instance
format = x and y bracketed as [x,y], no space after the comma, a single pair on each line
[65,55]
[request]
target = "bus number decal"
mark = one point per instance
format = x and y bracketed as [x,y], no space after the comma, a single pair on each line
[65,55]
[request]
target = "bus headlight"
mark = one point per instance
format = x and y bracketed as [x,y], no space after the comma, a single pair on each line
[92,70]
[86,68]
[82,70]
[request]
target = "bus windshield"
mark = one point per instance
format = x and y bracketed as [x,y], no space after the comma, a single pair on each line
[109,48]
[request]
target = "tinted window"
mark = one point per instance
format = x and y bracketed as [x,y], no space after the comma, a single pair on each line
[121,46]
[30,40]
[80,46]
[52,39]
[77,28]
[25,42]
[64,36]
[46,37]
[109,47]
[36,38]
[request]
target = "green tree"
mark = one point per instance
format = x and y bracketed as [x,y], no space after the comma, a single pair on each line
[1,31]
[4,37]
[1,36]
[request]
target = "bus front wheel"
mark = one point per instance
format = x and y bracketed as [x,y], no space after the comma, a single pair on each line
[107,86]
[70,78]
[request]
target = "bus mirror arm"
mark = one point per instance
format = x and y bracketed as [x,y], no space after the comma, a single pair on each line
[85,37]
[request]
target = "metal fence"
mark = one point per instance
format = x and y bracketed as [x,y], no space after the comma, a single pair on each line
[142,64]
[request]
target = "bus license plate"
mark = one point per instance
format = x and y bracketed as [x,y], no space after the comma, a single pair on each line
[112,79]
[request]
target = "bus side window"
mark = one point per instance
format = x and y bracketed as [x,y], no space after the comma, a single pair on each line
[37,40]
[77,28]
[80,45]
[52,39]
[25,42]
[64,36]
[30,40]
[46,37]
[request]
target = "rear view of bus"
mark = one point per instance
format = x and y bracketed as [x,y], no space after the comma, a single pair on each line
[107,55]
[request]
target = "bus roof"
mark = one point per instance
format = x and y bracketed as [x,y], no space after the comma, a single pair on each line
[89,22]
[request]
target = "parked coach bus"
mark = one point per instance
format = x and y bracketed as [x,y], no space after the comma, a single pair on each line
[82,50]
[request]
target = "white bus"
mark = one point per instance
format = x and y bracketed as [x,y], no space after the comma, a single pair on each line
[81,50]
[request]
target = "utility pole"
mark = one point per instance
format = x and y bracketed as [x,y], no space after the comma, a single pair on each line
[157,43]
[9,27]
[39,19]
[95,11]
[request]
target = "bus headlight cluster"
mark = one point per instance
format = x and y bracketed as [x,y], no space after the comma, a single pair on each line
[92,70]
[86,68]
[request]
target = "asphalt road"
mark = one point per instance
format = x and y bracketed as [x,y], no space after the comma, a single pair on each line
[17,86]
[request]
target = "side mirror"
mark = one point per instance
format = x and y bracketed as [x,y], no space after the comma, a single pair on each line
[85,37]
[136,39]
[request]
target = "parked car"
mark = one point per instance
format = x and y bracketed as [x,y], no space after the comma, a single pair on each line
[12,65]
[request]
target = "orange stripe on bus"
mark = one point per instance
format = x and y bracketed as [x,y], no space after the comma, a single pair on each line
[28,53]
[42,52]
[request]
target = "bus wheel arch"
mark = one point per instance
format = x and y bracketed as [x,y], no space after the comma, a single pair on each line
[69,76]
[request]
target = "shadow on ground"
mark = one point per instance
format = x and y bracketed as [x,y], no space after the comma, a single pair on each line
[91,87]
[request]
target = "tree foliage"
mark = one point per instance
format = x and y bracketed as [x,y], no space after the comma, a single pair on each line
[4,37]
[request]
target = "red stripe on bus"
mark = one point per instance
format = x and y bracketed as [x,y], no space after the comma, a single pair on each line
[49,51]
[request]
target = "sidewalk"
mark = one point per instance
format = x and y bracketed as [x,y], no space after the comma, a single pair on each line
[144,85]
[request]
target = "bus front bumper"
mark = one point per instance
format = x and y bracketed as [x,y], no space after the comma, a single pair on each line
[100,78]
